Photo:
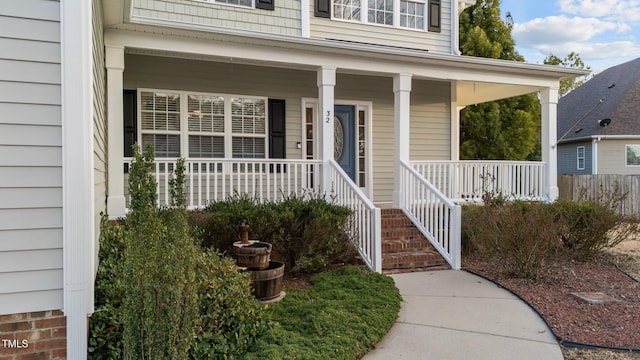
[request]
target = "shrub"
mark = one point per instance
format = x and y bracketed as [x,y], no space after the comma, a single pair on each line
[308,232]
[105,327]
[231,318]
[523,236]
[221,228]
[160,307]
[588,227]
[312,234]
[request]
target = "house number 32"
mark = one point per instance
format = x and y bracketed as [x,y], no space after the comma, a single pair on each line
[327,118]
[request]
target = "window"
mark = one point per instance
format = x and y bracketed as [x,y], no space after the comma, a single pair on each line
[247,3]
[203,125]
[410,14]
[633,155]
[380,12]
[580,157]
[347,9]
[160,122]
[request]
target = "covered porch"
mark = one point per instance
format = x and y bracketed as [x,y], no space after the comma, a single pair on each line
[403,147]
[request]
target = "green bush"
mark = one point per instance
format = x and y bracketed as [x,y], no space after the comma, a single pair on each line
[160,308]
[588,227]
[308,232]
[312,234]
[105,327]
[523,236]
[231,319]
[222,225]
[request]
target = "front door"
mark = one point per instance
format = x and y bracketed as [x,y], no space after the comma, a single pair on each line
[345,137]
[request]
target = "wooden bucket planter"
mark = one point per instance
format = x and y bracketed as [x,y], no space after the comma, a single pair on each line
[253,256]
[267,283]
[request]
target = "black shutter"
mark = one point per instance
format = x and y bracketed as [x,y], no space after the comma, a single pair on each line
[434,15]
[130,123]
[277,133]
[265,4]
[322,8]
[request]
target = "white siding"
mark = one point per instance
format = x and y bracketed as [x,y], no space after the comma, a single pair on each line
[99,121]
[385,35]
[283,20]
[30,157]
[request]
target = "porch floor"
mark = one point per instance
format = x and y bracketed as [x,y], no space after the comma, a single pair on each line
[404,248]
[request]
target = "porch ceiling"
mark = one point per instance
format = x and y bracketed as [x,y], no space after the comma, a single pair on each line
[474,92]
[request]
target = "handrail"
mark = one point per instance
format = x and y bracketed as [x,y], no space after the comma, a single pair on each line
[209,180]
[433,213]
[366,217]
[470,180]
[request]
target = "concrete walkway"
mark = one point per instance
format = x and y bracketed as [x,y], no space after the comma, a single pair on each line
[454,315]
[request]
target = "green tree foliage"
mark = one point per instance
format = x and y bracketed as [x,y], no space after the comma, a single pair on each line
[572,61]
[504,129]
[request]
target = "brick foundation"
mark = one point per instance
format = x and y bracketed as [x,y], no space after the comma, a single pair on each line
[33,336]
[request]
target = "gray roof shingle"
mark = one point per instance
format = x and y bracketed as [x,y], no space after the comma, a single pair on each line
[613,93]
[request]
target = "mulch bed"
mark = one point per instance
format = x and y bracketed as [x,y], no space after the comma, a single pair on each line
[613,324]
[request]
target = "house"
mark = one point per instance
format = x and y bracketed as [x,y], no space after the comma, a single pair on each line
[599,126]
[359,100]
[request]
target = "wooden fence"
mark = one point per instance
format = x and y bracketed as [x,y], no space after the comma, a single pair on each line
[593,187]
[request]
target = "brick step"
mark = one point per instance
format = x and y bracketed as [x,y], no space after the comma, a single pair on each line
[406,246]
[422,259]
[393,222]
[407,233]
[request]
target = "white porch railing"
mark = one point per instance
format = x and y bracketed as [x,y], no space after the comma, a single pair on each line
[209,180]
[365,219]
[470,180]
[433,213]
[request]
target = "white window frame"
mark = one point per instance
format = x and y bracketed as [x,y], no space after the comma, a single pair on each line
[184,118]
[579,157]
[626,150]
[252,6]
[364,15]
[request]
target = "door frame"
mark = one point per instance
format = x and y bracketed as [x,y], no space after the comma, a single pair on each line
[367,107]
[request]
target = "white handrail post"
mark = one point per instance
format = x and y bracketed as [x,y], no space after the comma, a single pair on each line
[377,239]
[456,237]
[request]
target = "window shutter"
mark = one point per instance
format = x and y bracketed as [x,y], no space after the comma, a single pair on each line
[265,4]
[277,133]
[322,8]
[130,121]
[434,15]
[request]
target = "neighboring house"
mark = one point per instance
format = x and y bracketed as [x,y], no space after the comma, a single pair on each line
[357,99]
[599,124]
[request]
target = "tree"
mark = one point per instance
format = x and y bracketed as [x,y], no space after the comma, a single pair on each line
[504,129]
[573,61]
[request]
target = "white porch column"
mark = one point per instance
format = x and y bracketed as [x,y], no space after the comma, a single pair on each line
[549,103]
[455,122]
[114,59]
[402,108]
[326,85]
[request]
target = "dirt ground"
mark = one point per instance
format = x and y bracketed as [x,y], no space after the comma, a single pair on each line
[626,256]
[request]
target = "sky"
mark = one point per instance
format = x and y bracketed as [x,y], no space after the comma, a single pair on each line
[603,32]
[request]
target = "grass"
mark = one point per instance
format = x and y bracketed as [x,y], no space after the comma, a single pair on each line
[340,316]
